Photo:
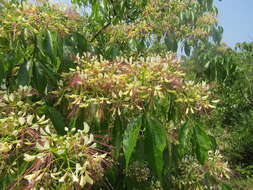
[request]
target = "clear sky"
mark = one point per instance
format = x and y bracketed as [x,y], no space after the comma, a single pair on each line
[236,17]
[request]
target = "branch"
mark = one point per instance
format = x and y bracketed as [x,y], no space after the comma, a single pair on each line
[101,30]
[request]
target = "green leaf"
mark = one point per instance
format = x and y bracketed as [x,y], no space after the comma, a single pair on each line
[155,141]
[183,138]
[39,78]
[49,73]
[204,143]
[117,133]
[201,153]
[54,48]
[51,37]
[187,49]
[2,72]
[25,73]
[171,42]
[225,186]
[130,138]
[57,120]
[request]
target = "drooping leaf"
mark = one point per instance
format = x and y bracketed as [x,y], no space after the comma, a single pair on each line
[183,138]
[39,78]
[25,73]
[57,119]
[2,72]
[187,48]
[51,38]
[117,133]
[130,138]
[155,141]
[51,76]
[204,143]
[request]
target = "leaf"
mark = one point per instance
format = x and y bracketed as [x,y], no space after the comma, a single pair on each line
[51,37]
[49,73]
[25,73]
[2,72]
[39,80]
[81,42]
[187,49]
[171,42]
[183,136]
[155,141]
[201,153]
[57,119]
[204,143]
[54,48]
[225,186]
[130,138]
[117,133]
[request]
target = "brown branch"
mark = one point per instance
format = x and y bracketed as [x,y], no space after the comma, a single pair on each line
[98,32]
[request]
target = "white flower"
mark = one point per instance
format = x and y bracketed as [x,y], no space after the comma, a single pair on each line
[88,139]
[82,181]
[20,103]
[62,179]
[53,175]
[32,177]
[86,127]
[39,177]
[29,119]
[29,158]
[5,147]
[60,151]
[15,132]
[88,179]
[5,97]
[43,122]
[74,178]
[46,145]
[78,167]
[11,97]
[47,129]
[21,120]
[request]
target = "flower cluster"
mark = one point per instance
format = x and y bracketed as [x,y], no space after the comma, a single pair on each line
[29,141]
[193,175]
[132,85]
[30,19]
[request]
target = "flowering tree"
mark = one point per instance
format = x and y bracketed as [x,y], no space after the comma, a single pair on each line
[108,104]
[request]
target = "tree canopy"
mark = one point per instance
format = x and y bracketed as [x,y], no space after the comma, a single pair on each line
[94,96]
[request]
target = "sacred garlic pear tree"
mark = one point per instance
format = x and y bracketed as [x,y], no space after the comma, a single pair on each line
[93,96]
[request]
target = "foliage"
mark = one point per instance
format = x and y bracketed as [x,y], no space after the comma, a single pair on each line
[242,184]
[39,42]
[122,90]
[231,72]
[108,104]
[36,44]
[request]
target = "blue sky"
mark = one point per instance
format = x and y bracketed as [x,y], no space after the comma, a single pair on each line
[236,17]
